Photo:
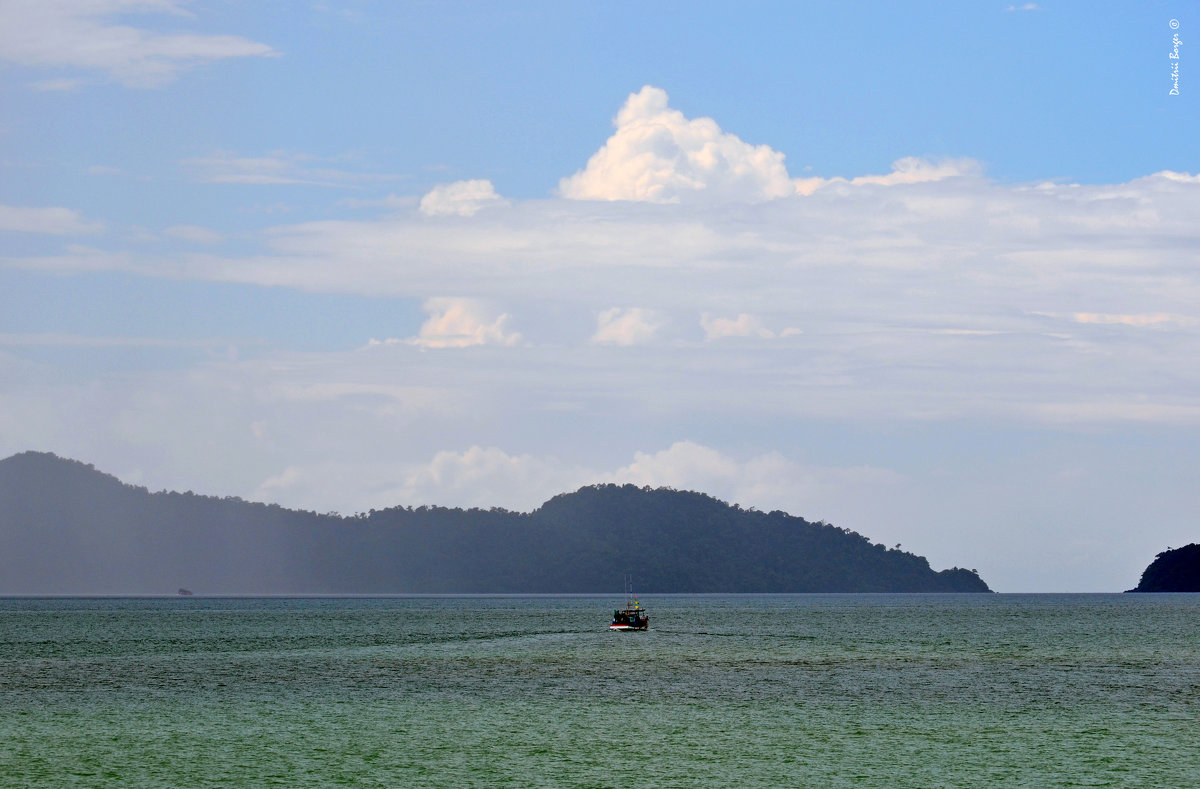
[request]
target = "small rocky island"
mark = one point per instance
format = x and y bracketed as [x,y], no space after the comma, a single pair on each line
[1173,570]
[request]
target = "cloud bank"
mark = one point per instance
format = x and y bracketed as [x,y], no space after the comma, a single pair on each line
[698,278]
[488,476]
[83,35]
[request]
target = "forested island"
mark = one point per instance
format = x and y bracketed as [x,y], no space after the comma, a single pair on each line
[66,528]
[1173,570]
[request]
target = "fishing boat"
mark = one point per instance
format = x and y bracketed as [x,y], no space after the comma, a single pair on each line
[632,616]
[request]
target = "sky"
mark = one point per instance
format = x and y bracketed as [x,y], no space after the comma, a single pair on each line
[927,271]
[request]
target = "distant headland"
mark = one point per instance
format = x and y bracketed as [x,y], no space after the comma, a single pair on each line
[1173,570]
[66,528]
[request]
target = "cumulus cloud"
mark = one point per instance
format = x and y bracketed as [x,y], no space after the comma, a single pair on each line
[658,155]
[629,326]
[474,477]
[684,464]
[461,323]
[55,221]
[744,325]
[490,476]
[767,481]
[71,34]
[461,198]
[914,170]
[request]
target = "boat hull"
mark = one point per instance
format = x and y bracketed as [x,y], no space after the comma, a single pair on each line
[628,627]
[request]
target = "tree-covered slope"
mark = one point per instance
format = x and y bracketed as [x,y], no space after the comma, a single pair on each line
[1173,570]
[66,528]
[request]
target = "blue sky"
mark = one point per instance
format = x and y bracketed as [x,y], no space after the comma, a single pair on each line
[924,270]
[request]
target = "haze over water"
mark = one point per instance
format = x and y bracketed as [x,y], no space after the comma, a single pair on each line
[802,690]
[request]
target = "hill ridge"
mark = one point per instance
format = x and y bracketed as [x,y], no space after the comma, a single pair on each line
[67,528]
[1173,570]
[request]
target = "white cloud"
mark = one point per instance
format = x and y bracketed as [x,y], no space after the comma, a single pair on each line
[1153,319]
[278,167]
[630,326]
[768,481]
[658,155]
[908,170]
[914,170]
[489,476]
[73,34]
[1186,178]
[474,477]
[285,483]
[744,325]
[684,465]
[461,198]
[51,221]
[461,323]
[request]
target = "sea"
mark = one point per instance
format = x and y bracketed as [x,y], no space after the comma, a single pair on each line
[534,691]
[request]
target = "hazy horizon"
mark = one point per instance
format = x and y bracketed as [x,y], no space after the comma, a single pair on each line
[258,545]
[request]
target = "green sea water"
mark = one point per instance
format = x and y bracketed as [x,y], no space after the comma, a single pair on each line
[773,690]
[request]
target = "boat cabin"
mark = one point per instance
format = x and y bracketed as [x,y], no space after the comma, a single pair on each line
[632,618]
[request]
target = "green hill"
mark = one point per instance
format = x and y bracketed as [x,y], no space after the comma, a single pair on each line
[1173,570]
[66,528]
